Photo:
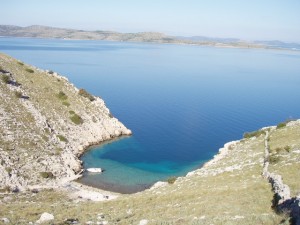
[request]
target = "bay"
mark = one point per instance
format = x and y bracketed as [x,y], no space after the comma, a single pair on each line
[181,102]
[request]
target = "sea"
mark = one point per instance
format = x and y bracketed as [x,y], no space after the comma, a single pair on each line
[182,102]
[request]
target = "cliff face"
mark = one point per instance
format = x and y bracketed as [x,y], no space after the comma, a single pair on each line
[45,124]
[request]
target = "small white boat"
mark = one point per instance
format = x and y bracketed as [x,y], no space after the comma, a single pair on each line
[94,170]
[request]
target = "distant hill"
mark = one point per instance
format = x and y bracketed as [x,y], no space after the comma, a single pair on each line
[37,31]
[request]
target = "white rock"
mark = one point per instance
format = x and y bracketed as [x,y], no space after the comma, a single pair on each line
[5,220]
[45,217]
[143,222]
[94,170]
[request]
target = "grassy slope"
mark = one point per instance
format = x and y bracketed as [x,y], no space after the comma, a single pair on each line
[231,191]
[238,196]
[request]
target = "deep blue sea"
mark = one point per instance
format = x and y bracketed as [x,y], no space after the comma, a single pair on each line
[181,102]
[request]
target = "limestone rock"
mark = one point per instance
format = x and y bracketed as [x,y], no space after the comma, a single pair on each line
[143,222]
[45,217]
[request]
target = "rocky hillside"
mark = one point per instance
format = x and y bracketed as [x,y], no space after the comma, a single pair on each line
[45,124]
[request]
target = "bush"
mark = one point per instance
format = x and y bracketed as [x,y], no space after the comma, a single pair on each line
[20,63]
[171,180]
[5,79]
[5,189]
[72,112]
[29,70]
[287,148]
[283,124]
[8,169]
[62,138]
[85,94]
[274,159]
[253,134]
[66,103]
[51,72]
[76,119]
[61,95]
[47,175]
[18,94]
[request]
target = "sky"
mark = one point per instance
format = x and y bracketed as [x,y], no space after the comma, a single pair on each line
[244,19]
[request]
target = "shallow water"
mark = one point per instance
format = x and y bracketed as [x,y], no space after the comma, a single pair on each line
[181,102]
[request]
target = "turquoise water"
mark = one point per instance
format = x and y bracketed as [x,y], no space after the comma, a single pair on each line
[181,102]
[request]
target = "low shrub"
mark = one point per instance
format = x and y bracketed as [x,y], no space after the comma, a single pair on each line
[85,94]
[253,134]
[47,175]
[62,138]
[65,103]
[5,79]
[20,63]
[8,169]
[274,159]
[283,124]
[51,72]
[287,148]
[29,70]
[72,112]
[18,94]
[171,180]
[5,189]
[76,119]
[61,95]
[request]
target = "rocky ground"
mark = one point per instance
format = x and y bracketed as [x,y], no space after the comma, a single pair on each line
[251,181]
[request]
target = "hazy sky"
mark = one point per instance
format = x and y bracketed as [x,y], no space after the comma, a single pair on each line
[245,19]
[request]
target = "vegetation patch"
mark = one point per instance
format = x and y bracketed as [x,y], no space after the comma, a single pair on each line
[76,119]
[62,96]
[5,189]
[29,70]
[62,138]
[72,112]
[20,63]
[18,94]
[85,94]
[8,169]
[254,134]
[171,180]
[65,103]
[274,159]
[5,79]
[283,124]
[47,175]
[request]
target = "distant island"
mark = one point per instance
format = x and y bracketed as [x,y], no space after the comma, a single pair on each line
[37,31]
